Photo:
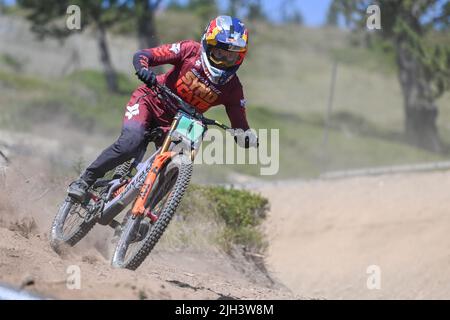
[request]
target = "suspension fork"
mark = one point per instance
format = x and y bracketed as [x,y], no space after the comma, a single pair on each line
[160,160]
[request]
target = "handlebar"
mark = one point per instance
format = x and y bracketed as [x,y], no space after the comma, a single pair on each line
[189,109]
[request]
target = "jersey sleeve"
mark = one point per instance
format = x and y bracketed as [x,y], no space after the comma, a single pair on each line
[173,54]
[236,109]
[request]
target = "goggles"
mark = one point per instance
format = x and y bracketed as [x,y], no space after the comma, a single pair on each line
[223,58]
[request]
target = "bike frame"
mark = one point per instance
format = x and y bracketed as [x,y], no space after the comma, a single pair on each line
[113,207]
[141,185]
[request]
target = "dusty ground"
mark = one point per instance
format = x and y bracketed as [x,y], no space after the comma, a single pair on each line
[31,264]
[29,197]
[324,235]
[27,261]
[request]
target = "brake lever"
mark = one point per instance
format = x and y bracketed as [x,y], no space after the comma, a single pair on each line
[207,121]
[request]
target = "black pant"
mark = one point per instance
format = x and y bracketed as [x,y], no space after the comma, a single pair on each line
[131,143]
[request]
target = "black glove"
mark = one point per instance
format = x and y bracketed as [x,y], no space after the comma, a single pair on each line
[146,76]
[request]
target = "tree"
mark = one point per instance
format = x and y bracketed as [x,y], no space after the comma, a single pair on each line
[175,5]
[206,10]
[333,14]
[289,13]
[255,10]
[234,6]
[48,19]
[144,13]
[410,26]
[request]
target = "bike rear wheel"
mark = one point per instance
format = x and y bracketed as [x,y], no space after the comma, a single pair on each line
[169,187]
[71,224]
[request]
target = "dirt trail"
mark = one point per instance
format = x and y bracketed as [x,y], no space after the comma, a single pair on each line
[27,261]
[29,197]
[31,264]
[324,235]
[30,192]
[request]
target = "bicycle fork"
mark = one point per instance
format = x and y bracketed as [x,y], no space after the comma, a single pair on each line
[139,205]
[159,162]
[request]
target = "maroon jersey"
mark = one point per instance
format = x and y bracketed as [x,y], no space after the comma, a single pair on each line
[190,82]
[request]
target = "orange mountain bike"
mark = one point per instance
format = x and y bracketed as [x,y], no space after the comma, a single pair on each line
[154,191]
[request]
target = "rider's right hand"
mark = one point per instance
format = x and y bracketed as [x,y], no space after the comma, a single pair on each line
[146,76]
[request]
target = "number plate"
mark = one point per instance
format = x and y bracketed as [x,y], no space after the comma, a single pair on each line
[191,129]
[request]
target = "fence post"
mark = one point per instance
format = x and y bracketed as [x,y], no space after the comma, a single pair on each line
[329,111]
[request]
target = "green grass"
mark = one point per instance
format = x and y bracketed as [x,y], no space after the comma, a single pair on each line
[379,58]
[11,62]
[95,81]
[217,216]
[353,142]
[16,81]
[82,97]
[354,139]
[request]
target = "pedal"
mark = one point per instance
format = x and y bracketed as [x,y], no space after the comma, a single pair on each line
[100,183]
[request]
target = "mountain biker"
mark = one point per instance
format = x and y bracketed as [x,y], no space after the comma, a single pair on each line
[203,75]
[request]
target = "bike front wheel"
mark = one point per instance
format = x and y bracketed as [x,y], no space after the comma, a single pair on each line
[140,234]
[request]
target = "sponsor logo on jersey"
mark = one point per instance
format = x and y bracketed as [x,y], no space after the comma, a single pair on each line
[206,81]
[195,92]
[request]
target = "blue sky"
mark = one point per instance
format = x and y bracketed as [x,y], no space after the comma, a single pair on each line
[313,11]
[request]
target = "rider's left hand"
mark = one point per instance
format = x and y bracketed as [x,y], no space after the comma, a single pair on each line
[246,139]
